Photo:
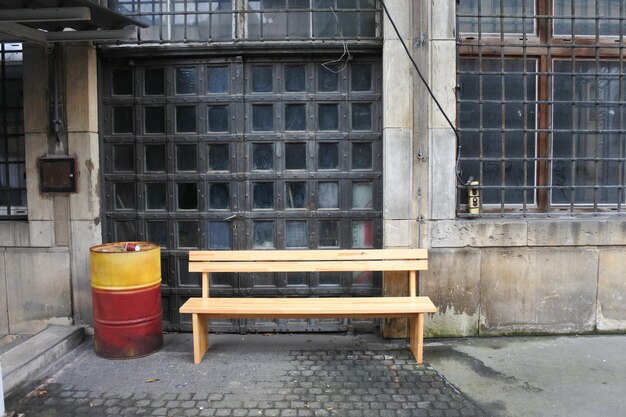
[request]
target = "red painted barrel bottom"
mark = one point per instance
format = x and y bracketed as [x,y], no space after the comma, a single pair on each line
[127,324]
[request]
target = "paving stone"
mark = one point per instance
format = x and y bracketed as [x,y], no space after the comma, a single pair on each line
[316,383]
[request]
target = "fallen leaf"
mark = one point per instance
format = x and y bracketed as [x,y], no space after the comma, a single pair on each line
[152,380]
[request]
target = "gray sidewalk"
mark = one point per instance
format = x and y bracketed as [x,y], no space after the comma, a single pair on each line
[251,375]
[569,376]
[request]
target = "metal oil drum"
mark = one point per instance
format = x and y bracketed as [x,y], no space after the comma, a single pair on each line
[126,292]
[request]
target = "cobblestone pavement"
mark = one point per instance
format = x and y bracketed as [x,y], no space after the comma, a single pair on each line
[249,376]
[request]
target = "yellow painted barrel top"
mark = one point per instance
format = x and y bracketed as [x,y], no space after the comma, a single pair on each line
[114,268]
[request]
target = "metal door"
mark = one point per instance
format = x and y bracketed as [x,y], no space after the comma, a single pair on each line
[245,153]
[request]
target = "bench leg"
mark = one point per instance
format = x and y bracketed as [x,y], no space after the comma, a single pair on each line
[416,336]
[200,337]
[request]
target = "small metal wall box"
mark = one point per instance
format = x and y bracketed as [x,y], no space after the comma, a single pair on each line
[473,197]
[57,175]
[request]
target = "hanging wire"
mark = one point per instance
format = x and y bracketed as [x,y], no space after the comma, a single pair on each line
[346,50]
[432,95]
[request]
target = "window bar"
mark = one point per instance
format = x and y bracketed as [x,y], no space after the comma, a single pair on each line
[287,11]
[574,114]
[4,188]
[502,113]
[481,138]
[596,108]
[622,99]
[524,112]
[543,73]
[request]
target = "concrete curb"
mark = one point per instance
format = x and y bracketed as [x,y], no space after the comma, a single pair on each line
[25,363]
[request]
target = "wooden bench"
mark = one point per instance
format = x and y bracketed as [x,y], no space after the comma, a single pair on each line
[412,307]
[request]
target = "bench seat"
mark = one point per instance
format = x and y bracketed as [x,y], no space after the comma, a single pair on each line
[324,307]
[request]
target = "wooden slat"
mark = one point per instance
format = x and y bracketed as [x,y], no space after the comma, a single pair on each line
[309,255]
[308,266]
[348,307]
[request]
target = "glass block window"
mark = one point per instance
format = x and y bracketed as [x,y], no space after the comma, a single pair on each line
[229,153]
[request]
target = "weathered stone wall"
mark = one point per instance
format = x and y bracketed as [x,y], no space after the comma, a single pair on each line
[44,262]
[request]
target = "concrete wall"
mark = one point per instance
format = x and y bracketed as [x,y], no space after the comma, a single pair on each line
[44,264]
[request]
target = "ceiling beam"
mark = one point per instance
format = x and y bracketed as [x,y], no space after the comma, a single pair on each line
[47,14]
[90,35]
[23,33]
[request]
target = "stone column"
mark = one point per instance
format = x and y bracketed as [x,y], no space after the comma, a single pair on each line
[81,108]
[398,148]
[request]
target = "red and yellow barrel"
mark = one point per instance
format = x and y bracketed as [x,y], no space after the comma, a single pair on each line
[126,291]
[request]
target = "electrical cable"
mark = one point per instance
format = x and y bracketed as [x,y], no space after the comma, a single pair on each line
[432,95]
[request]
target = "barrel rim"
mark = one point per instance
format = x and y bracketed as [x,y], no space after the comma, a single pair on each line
[148,245]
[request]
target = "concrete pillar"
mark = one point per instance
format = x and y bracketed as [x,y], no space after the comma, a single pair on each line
[442,139]
[398,150]
[81,107]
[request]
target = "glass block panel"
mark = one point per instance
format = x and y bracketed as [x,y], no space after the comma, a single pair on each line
[328,117]
[125,196]
[295,117]
[155,158]
[362,155]
[186,277]
[262,117]
[361,78]
[330,278]
[187,195]
[328,156]
[188,234]
[362,233]
[219,196]
[124,158]
[219,235]
[218,118]
[295,156]
[263,235]
[296,234]
[187,157]
[156,196]
[125,230]
[262,156]
[327,79]
[263,195]
[186,119]
[154,119]
[185,80]
[123,119]
[217,80]
[122,82]
[362,195]
[296,279]
[218,157]
[328,195]
[364,278]
[295,195]
[325,23]
[295,78]
[154,82]
[262,79]
[157,232]
[361,117]
[329,233]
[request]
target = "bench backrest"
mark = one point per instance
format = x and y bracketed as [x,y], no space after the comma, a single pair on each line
[411,260]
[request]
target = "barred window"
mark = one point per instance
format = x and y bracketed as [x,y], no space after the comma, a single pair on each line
[542,104]
[12,163]
[254,20]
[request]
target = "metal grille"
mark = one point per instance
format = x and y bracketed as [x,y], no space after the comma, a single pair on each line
[246,154]
[542,105]
[12,162]
[255,20]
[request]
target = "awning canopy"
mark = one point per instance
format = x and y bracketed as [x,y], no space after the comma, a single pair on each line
[46,21]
